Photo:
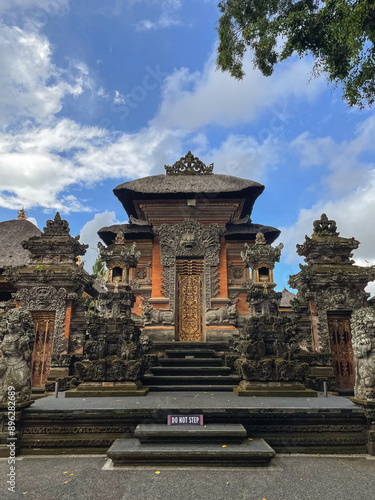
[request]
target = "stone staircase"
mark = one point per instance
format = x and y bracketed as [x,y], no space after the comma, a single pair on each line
[224,445]
[190,369]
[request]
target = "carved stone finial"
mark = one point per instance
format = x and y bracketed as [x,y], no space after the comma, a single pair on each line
[21,214]
[189,165]
[57,227]
[120,239]
[138,222]
[325,227]
[260,252]
[260,239]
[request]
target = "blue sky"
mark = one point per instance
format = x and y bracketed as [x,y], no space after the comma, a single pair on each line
[95,93]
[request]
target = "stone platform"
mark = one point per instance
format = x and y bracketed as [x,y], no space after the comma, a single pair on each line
[217,433]
[288,425]
[246,454]
[107,389]
[273,389]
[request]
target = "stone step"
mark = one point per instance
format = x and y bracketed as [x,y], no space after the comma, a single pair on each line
[192,388]
[197,353]
[215,346]
[213,433]
[191,370]
[190,361]
[150,380]
[248,453]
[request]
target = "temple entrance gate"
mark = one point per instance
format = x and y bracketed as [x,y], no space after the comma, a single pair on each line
[342,351]
[44,322]
[189,303]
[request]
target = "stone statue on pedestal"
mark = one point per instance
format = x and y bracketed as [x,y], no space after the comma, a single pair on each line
[16,340]
[363,339]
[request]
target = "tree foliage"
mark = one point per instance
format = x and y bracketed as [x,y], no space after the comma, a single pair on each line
[99,269]
[339,34]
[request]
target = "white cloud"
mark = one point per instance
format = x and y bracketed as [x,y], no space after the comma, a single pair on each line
[32,87]
[33,221]
[49,6]
[37,166]
[118,98]
[89,235]
[167,18]
[244,156]
[344,160]
[195,99]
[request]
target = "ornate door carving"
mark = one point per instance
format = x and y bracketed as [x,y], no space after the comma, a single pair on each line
[189,300]
[44,322]
[342,351]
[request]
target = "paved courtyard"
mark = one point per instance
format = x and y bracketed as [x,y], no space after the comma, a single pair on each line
[288,478]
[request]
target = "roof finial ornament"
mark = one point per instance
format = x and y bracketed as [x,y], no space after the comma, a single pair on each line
[325,227]
[189,165]
[21,214]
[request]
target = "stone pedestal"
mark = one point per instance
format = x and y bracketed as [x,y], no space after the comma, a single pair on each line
[107,389]
[274,389]
[369,407]
[10,440]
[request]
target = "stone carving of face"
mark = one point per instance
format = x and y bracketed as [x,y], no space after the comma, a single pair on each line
[188,241]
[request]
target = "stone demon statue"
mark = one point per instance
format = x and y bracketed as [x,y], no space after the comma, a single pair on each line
[363,331]
[16,340]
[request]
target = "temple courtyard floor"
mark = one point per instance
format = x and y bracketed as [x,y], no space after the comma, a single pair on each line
[69,475]
[289,477]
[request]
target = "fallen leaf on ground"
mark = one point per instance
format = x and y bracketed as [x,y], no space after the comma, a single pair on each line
[157,472]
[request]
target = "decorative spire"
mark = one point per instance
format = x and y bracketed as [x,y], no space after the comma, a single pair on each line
[325,227]
[57,227]
[21,214]
[189,165]
[326,246]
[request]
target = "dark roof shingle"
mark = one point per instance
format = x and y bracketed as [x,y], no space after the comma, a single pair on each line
[12,234]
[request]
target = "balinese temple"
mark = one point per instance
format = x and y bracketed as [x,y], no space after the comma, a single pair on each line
[190,226]
[189,303]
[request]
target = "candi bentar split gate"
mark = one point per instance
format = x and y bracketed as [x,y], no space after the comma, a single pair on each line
[189,303]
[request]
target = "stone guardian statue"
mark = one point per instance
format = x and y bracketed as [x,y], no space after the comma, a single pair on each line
[363,339]
[17,335]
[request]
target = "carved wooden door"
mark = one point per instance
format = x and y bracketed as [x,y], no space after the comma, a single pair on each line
[342,351]
[189,303]
[44,322]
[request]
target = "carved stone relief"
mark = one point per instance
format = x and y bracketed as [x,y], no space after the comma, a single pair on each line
[189,239]
[47,298]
